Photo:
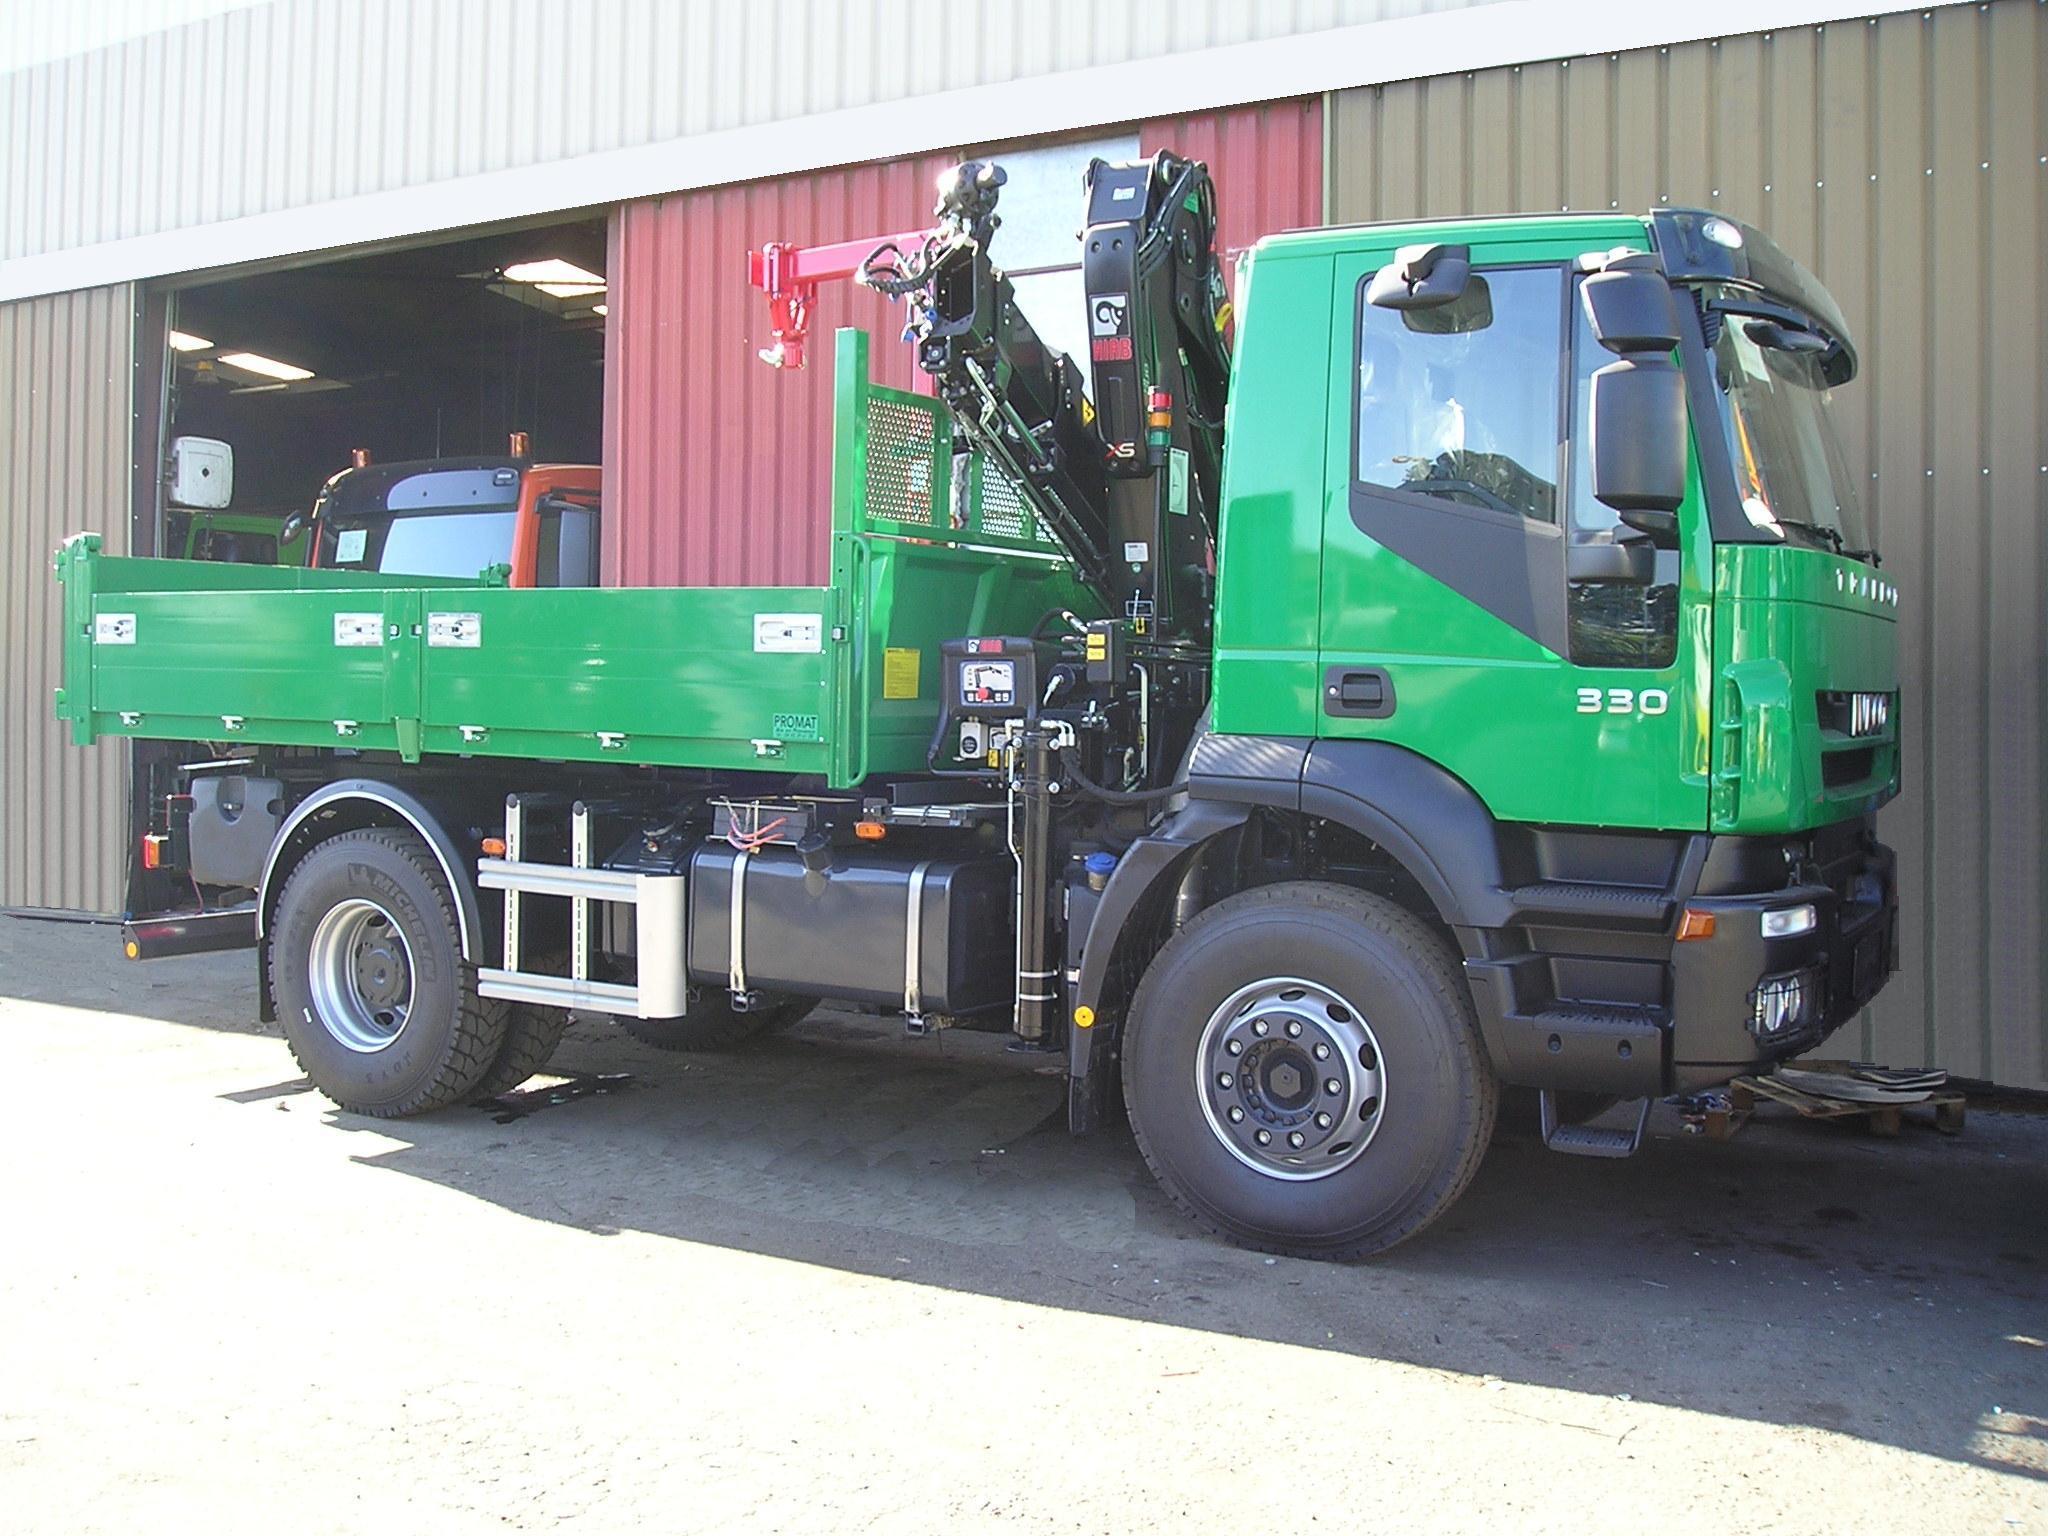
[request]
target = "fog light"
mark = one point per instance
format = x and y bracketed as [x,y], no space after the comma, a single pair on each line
[1787,921]
[1781,1005]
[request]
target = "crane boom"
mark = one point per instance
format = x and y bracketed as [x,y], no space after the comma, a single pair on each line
[1123,466]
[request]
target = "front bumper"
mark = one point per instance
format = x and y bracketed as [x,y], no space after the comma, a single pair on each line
[1842,962]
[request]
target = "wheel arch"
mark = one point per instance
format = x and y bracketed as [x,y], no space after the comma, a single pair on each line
[1425,820]
[348,805]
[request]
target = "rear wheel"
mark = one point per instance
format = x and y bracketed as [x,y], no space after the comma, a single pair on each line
[532,1034]
[366,966]
[1304,1072]
[712,1023]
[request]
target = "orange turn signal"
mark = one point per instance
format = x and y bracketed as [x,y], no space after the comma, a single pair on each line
[1695,924]
[494,847]
[870,831]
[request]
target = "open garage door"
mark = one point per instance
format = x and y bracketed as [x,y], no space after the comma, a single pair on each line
[468,374]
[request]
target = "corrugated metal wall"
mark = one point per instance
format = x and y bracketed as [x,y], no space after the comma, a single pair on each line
[66,370]
[718,469]
[1904,160]
[295,102]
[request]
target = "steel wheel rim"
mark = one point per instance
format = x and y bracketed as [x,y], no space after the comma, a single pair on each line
[1290,1078]
[361,976]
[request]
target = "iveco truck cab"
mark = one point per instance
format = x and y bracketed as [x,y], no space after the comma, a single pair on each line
[1640,740]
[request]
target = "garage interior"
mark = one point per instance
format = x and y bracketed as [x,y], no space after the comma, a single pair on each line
[424,352]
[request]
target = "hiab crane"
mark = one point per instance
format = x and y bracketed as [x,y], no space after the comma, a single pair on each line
[1473,674]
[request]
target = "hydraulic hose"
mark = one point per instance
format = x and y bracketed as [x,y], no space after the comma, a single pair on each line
[1071,766]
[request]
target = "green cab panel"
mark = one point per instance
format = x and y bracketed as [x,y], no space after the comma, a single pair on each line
[1458,608]
[1794,627]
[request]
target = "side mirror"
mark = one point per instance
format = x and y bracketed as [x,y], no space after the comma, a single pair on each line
[1628,304]
[292,527]
[1638,426]
[1631,562]
[1784,338]
[1421,277]
[1638,436]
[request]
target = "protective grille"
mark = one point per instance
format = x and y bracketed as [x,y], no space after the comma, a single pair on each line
[899,461]
[1003,511]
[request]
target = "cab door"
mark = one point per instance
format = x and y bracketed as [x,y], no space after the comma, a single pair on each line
[1468,609]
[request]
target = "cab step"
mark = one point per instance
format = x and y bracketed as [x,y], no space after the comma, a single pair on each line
[1572,902]
[1591,1140]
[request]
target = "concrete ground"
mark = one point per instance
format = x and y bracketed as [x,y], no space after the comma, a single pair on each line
[846,1281]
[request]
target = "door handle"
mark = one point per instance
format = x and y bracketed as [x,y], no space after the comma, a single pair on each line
[1358,693]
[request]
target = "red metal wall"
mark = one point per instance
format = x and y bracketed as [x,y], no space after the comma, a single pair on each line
[718,468]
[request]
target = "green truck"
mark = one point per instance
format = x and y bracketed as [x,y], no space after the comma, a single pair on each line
[1464,667]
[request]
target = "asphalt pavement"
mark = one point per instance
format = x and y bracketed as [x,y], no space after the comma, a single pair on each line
[845,1280]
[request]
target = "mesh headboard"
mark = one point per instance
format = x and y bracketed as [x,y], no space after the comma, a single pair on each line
[894,469]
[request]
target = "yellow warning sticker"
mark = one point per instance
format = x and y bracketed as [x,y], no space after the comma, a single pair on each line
[900,666]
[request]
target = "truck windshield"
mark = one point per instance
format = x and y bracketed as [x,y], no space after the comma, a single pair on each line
[1777,412]
[431,542]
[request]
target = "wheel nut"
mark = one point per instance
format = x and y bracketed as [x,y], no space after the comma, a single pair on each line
[1293,1029]
[1224,1080]
[1333,1087]
[1236,1114]
[1236,1047]
[1264,1138]
[1322,1052]
[1260,1027]
[1295,1139]
[1322,1122]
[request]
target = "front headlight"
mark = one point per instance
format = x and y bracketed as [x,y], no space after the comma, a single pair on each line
[1786,922]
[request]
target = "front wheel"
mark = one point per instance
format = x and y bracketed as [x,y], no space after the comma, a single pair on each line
[1304,1072]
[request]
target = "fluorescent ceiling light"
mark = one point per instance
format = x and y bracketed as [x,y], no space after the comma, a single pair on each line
[562,279]
[184,341]
[269,367]
[600,309]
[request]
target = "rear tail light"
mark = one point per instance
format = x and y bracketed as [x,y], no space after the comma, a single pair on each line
[153,850]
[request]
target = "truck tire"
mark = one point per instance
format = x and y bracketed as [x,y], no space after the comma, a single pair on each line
[1304,1072]
[712,1025]
[367,970]
[531,1035]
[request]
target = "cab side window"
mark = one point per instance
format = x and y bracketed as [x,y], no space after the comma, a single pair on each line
[1461,403]
[568,544]
[1613,623]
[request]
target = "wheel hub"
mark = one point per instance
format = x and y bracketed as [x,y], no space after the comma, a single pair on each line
[359,972]
[1290,1078]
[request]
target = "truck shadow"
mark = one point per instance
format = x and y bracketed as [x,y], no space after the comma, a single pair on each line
[1889,1290]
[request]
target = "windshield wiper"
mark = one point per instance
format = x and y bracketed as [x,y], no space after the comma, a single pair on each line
[1819,530]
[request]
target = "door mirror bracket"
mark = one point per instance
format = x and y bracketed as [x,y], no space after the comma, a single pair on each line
[1626,561]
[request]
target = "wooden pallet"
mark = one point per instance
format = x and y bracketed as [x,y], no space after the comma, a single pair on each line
[1944,1106]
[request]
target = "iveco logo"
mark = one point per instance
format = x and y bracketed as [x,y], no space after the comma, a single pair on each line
[1869,713]
[1858,584]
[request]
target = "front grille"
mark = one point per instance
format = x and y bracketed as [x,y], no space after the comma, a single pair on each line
[1857,715]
